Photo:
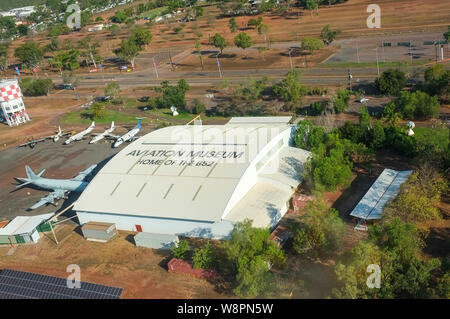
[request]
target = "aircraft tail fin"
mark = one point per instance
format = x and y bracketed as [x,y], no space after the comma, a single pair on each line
[93,124]
[112,124]
[30,174]
[59,130]
[40,173]
[139,123]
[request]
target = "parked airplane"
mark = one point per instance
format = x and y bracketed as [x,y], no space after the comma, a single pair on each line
[59,187]
[130,136]
[103,135]
[55,138]
[79,136]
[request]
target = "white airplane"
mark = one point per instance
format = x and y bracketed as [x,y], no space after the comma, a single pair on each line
[79,136]
[103,135]
[32,143]
[130,136]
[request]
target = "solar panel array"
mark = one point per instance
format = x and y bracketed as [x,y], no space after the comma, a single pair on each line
[384,189]
[25,285]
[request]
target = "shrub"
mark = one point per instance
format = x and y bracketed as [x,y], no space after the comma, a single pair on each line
[204,257]
[317,108]
[180,250]
[391,82]
[36,87]
[197,107]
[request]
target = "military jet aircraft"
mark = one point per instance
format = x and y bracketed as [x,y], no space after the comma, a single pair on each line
[79,136]
[59,187]
[32,143]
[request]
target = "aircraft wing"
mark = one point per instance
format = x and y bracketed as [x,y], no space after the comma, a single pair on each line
[134,138]
[49,199]
[32,142]
[113,136]
[82,175]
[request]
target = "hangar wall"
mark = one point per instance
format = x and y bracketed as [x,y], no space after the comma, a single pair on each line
[217,230]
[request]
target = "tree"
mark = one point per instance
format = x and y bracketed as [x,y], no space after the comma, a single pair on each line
[218,41]
[447,34]
[263,29]
[197,107]
[255,22]
[232,25]
[198,49]
[119,17]
[261,50]
[289,89]
[391,82]
[341,101]
[98,110]
[112,89]
[128,51]
[416,105]
[114,29]
[36,87]
[311,44]
[204,257]
[89,50]
[52,46]
[4,52]
[328,35]
[66,60]
[310,5]
[250,255]
[172,95]
[437,80]
[180,250]
[70,77]
[23,30]
[30,54]
[141,36]
[320,229]
[243,41]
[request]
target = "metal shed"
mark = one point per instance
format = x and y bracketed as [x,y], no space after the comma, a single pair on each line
[97,231]
[155,241]
[23,229]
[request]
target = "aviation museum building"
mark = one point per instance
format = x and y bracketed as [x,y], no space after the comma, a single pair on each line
[198,180]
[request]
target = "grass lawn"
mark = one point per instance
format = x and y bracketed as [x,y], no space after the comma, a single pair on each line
[439,135]
[82,117]
[152,14]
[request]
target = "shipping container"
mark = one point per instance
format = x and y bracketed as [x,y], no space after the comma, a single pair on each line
[155,241]
[97,231]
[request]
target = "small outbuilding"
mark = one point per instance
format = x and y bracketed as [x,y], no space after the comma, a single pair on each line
[155,241]
[97,231]
[23,229]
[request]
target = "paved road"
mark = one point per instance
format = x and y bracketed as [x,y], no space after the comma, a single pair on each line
[317,76]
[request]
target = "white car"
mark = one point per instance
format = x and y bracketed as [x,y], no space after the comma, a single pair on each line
[364,100]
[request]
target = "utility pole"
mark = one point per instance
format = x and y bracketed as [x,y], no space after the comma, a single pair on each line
[357,49]
[378,67]
[350,77]
[410,52]
[171,62]
[290,58]
[156,71]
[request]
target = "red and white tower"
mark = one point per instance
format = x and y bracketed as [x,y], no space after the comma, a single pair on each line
[12,107]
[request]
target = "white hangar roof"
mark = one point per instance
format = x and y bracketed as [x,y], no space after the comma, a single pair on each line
[192,172]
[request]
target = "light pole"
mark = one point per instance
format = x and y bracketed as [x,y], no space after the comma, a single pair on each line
[218,65]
